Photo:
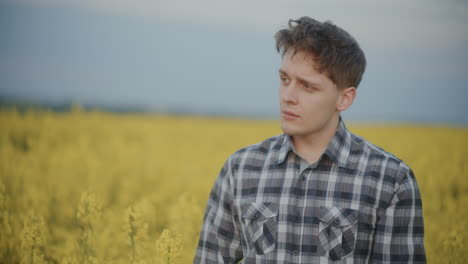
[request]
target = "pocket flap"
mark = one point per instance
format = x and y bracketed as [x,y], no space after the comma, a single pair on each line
[259,210]
[338,216]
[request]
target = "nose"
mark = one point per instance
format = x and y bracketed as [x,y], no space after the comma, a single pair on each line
[288,93]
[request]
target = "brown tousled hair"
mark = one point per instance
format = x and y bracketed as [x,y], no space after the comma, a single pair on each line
[334,51]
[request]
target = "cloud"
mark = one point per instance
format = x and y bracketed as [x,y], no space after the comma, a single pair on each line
[396,23]
[76,48]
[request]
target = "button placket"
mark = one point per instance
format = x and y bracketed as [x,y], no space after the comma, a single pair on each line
[298,211]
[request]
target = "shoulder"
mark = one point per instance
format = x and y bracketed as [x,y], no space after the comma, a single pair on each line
[386,174]
[375,158]
[256,153]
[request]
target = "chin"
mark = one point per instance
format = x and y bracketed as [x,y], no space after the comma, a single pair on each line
[287,129]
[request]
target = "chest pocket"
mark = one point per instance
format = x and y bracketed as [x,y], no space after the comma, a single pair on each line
[337,232]
[260,219]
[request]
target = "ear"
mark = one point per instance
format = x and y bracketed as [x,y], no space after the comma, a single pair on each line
[346,98]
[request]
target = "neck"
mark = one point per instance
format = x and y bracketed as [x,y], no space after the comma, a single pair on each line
[311,146]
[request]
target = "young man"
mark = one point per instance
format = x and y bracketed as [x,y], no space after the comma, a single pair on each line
[317,193]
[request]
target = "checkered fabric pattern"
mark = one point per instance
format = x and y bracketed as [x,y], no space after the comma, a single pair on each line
[356,204]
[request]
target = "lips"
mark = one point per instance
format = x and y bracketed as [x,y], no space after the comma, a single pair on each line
[289,115]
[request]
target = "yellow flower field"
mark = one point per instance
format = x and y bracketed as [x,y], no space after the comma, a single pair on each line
[94,187]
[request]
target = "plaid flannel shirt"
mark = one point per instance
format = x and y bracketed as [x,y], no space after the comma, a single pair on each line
[356,204]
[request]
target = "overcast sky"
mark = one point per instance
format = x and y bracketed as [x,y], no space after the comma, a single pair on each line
[219,56]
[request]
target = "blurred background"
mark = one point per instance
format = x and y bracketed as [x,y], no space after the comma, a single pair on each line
[211,57]
[93,187]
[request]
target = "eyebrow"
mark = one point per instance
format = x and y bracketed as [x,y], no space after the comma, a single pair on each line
[281,71]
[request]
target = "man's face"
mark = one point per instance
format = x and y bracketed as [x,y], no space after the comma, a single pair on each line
[308,99]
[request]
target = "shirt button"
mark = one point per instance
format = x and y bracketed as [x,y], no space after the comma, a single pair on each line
[337,221]
[257,216]
[295,252]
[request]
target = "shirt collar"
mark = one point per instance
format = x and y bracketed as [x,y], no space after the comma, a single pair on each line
[338,148]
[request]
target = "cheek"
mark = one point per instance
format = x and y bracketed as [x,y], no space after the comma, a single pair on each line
[318,104]
[329,100]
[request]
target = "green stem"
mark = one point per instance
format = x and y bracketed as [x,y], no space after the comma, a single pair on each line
[32,255]
[168,254]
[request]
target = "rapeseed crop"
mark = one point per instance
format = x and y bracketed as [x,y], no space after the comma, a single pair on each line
[94,187]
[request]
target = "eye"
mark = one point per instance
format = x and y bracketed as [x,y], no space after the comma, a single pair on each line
[309,87]
[283,79]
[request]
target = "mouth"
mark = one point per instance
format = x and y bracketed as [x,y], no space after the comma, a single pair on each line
[289,115]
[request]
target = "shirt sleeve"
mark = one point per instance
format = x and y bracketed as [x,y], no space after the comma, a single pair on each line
[219,239]
[399,236]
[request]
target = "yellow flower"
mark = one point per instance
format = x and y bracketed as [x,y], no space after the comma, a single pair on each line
[33,240]
[168,247]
